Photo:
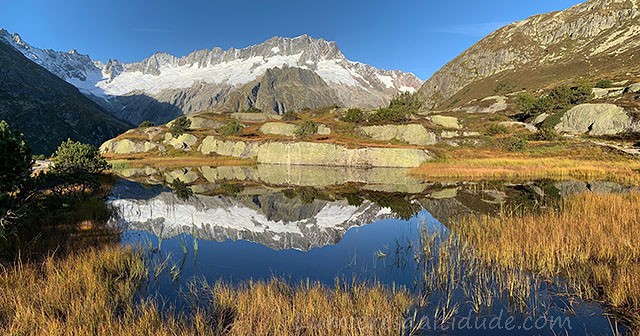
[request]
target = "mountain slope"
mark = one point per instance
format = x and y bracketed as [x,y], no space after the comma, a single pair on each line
[281,90]
[47,109]
[203,79]
[595,39]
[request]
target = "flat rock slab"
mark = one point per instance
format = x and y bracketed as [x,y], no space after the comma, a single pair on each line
[127,146]
[445,121]
[414,134]
[278,128]
[635,88]
[254,117]
[183,142]
[322,154]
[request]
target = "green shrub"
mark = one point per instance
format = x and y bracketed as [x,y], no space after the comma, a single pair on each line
[407,102]
[400,108]
[354,115]
[525,102]
[73,157]
[552,120]
[146,123]
[307,128]
[181,189]
[546,134]
[604,84]
[558,100]
[15,168]
[290,116]
[179,126]
[388,115]
[230,128]
[253,109]
[517,144]
[495,129]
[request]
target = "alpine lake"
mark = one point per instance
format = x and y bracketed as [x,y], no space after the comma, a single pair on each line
[349,225]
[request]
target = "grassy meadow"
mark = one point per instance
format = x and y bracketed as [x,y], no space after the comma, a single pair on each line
[540,160]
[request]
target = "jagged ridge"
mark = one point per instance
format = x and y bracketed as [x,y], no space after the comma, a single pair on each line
[201,80]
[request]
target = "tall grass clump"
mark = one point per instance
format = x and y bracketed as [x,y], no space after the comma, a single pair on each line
[590,240]
[100,292]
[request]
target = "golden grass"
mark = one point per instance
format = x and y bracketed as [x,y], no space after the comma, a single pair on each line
[591,227]
[94,293]
[567,161]
[276,308]
[591,241]
[532,168]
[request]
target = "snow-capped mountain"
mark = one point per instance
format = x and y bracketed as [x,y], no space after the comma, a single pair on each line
[202,79]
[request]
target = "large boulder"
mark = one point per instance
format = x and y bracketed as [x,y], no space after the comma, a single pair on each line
[414,134]
[203,123]
[595,119]
[599,93]
[322,154]
[446,122]
[278,128]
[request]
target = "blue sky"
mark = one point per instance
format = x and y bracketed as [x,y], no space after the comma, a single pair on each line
[414,35]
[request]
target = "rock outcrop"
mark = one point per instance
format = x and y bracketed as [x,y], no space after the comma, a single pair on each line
[322,154]
[414,134]
[274,152]
[595,119]
[445,121]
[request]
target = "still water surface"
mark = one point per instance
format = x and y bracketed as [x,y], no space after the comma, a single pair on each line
[324,225]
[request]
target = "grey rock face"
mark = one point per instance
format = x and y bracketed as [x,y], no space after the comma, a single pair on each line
[281,90]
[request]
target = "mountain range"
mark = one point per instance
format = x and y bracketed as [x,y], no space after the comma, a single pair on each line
[163,86]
